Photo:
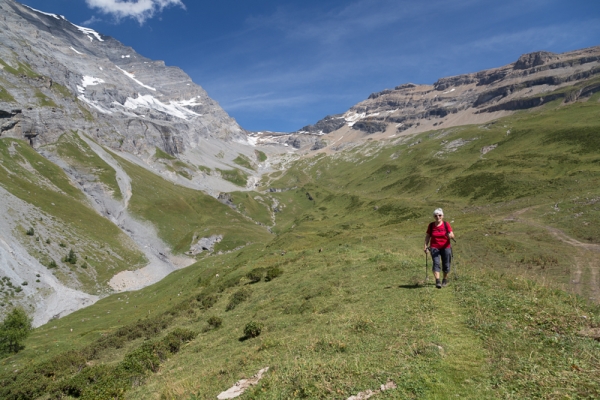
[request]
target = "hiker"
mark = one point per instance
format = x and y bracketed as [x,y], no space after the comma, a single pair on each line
[437,241]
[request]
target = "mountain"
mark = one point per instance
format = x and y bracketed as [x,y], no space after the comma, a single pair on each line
[532,81]
[86,125]
[60,77]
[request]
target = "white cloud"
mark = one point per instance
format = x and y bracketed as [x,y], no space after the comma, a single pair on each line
[140,10]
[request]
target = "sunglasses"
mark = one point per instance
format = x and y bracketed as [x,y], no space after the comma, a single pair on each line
[438,215]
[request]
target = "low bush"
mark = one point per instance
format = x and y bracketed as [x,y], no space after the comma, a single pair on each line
[30,232]
[207,300]
[215,322]
[252,329]
[237,298]
[256,275]
[272,273]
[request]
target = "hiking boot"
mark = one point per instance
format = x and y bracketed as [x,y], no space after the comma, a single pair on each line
[438,284]
[444,283]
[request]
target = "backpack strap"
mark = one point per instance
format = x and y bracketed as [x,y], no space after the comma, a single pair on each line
[446,226]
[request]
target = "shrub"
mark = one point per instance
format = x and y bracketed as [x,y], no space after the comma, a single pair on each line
[30,232]
[71,258]
[177,337]
[253,329]
[144,358]
[14,330]
[207,300]
[273,273]
[215,321]
[256,275]
[237,298]
[52,264]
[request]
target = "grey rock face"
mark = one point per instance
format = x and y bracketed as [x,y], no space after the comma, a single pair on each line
[65,77]
[534,79]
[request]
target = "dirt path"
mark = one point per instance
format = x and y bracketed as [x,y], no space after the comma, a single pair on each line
[585,272]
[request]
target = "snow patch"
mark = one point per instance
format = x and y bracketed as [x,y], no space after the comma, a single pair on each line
[149,101]
[91,81]
[187,103]
[132,76]
[89,33]
[450,91]
[76,51]
[352,117]
[45,13]
[127,56]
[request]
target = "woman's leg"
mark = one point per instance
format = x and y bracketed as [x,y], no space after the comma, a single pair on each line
[436,267]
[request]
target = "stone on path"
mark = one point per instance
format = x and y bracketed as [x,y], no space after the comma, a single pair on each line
[241,386]
[370,393]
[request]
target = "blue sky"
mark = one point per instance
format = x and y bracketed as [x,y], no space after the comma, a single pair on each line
[281,65]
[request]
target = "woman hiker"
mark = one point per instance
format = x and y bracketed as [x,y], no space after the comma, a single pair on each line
[437,240]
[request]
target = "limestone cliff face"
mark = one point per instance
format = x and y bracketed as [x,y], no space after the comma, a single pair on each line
[56,76]
[533,80]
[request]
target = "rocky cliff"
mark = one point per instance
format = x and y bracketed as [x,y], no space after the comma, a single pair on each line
[533,80]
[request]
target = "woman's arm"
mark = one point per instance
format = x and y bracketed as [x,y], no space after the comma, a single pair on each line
[427,238]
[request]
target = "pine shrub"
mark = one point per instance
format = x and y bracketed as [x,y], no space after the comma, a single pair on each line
[252,329]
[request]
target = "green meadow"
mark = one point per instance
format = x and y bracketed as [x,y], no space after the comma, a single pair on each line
[340,290]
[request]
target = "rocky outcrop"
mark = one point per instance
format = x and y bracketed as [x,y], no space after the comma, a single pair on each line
[533,80]
[73,78]
[534,59]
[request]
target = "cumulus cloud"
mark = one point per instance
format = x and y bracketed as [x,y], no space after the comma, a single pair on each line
[140,10]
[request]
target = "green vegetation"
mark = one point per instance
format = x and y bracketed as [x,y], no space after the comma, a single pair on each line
[43,184]
[180,214]
[14,329]
[255,205]
[71,258]
[346,306]
[235,176]
[21,69]
[44,100]
[87,115]
[62,90]
[78,154]
[252,329]
[204,169]
[6,96]
[161,155]
[173,164]
[260,156]
[244,161]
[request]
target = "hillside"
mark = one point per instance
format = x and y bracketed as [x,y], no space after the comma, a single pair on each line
[347,307]
[95,139]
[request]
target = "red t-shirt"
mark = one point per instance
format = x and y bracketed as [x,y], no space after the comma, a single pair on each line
[439,239]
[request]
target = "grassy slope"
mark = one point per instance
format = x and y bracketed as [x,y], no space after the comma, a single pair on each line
[37,181]
[182,214]
[351,311]
[79,155]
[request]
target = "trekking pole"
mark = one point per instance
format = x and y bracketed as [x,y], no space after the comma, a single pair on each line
[426,267]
